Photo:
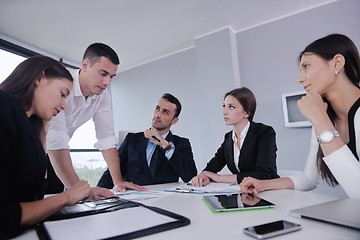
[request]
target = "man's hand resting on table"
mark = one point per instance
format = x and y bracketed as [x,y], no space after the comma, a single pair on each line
[123,186]
[97,193]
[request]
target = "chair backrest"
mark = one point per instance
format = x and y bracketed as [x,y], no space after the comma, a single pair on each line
[122,134]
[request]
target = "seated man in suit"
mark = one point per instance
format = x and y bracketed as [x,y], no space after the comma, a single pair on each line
[156,155]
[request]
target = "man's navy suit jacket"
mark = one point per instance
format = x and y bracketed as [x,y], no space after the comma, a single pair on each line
[134,167]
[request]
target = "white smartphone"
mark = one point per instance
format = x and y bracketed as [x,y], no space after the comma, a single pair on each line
[272,229]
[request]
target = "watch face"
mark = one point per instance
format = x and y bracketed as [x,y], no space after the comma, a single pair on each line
[327,136]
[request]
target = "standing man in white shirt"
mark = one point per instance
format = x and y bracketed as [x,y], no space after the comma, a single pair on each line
[88,99]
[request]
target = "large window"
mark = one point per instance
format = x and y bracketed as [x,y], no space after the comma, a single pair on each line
[8,61]
[88,162]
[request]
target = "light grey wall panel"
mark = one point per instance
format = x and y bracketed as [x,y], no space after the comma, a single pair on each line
[216,75]
[135,92]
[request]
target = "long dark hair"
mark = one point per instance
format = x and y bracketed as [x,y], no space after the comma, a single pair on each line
[20,84]
[326,48]
[246,98]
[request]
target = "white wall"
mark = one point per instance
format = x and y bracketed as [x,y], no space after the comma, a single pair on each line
[200,76]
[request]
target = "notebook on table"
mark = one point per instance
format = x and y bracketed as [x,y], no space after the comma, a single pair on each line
[344,212]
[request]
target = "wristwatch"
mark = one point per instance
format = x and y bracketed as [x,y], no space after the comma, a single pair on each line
[168,147]
[327,136]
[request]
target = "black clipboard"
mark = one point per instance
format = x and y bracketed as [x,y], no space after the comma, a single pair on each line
[177,220]
[180,222]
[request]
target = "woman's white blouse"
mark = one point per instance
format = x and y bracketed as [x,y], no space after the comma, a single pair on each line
[342,163]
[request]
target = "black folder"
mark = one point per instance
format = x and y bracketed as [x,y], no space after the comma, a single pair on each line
[79,211]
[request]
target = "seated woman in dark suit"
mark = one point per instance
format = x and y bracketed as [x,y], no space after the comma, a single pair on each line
[32,94]
[248,150]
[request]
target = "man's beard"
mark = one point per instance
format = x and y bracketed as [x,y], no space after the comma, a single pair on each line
[159,128]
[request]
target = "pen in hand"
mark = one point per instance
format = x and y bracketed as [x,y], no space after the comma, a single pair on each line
[153,136]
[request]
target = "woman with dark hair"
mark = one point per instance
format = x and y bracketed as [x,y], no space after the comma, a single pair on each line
[29,97]
[330,73]
[248,150]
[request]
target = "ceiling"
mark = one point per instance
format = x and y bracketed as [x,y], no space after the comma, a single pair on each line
[138,30]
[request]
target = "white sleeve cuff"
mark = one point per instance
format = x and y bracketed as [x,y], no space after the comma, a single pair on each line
[303,182]
[346,169]
[106,143]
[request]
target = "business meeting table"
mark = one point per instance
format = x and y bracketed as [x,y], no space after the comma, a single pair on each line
[229,225]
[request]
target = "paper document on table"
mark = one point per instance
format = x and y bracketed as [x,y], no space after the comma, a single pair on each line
[210,188]
[27,235]
[97,226]
[139,196]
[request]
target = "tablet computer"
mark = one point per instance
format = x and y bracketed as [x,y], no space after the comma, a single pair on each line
[237,201]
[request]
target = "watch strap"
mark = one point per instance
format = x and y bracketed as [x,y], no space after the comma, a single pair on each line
[169,147]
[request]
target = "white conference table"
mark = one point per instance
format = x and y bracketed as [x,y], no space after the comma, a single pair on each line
[207,225]
[220,226]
